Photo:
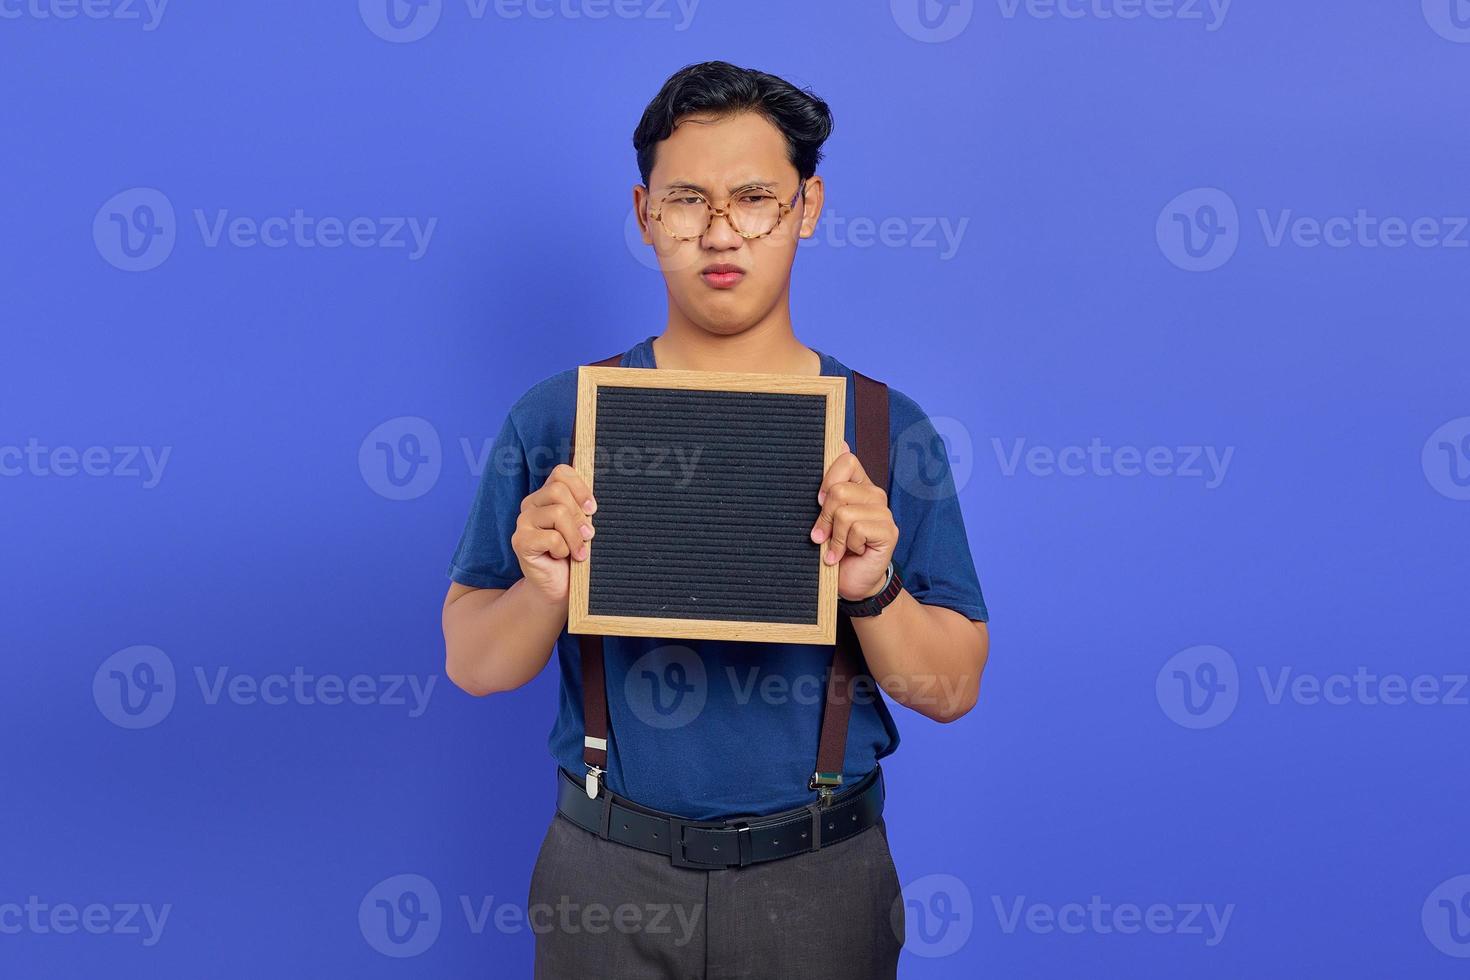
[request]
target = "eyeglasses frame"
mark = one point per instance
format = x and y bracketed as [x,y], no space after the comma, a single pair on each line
[724,212]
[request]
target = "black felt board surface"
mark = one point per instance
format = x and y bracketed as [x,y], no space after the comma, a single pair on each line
[705,504]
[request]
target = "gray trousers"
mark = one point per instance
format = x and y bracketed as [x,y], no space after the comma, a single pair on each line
[604,910]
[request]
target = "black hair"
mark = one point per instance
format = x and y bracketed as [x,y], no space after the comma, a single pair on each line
[721,89]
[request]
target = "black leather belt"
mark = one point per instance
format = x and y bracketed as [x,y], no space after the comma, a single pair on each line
[729,843]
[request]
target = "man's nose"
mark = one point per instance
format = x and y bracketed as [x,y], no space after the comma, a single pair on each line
[721,233]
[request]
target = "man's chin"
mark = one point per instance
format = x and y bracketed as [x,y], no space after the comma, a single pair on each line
[726,326]
[724,319]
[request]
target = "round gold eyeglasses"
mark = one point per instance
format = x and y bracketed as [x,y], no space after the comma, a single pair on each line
[753,212]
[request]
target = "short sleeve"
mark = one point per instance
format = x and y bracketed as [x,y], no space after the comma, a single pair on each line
[933,553]
[484,558]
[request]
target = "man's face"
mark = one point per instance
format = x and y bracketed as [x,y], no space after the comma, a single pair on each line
[720,281]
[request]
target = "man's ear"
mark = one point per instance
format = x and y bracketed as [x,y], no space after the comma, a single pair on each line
[812,210]
[640,199]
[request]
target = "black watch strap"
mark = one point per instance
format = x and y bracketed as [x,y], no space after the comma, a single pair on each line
[874,604]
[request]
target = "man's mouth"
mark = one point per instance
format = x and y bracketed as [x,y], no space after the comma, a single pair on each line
[722,275]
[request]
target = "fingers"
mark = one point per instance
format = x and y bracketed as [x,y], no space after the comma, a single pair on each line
[581,494]
[553,522]
[533,542]
[846,468]
[845,474]
[855,528]
[845,495]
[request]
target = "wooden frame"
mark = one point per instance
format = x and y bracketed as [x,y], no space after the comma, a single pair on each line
[589,380]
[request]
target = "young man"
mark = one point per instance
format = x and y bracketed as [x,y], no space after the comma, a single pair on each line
[805,885]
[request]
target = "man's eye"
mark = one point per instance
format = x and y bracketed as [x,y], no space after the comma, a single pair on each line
[686,201]
[756,198]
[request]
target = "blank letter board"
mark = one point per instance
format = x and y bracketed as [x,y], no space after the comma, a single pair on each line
[706,485]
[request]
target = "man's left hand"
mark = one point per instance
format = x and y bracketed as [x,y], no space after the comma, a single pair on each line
[856,527]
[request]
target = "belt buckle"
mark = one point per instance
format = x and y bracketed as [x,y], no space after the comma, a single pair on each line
[676,848]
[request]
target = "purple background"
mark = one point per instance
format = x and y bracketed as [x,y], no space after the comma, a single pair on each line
[1063,313]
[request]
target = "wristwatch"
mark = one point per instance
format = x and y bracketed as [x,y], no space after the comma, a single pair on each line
[874,604]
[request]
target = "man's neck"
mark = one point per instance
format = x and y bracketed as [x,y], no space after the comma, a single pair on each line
[766,348]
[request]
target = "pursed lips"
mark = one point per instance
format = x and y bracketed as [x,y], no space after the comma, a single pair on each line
[722,275]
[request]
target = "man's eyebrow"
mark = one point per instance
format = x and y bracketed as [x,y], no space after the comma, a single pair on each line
[691,185]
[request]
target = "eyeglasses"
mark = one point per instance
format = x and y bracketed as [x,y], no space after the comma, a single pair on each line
[753,212]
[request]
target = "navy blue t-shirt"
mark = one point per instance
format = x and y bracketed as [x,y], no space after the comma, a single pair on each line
[714,728]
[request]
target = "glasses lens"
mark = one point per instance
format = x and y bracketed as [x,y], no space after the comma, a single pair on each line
[684,215]
[755,212]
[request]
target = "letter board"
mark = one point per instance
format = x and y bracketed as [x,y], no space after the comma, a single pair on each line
[706,485]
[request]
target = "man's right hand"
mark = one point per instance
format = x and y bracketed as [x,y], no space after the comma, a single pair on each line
[552,531]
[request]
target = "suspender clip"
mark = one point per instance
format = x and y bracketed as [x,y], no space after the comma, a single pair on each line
[594,780]
[824,783]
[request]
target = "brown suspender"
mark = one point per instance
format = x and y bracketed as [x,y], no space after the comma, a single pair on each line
[871,414]
[594,684]
[871,411]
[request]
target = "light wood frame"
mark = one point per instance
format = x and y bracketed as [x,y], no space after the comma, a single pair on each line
[589,380]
